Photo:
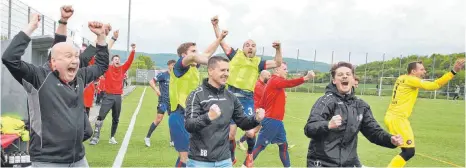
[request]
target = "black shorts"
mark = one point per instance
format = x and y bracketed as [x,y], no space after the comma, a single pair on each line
[162,108]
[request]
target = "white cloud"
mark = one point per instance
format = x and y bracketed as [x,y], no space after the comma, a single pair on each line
[374,26]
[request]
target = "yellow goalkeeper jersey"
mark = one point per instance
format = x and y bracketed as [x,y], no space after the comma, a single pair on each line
[406,90]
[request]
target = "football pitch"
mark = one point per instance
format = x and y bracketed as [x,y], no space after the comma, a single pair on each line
[438,125]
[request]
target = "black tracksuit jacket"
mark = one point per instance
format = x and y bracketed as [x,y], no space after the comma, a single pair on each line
[56,108]
[209,139]
[338,147]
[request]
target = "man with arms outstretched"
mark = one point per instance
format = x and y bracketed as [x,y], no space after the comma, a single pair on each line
[55,97]
[404,96]
[183,80]
[163,79]
[112,97]
[245,67]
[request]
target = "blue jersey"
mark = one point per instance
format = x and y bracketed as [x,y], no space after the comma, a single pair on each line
[163,79]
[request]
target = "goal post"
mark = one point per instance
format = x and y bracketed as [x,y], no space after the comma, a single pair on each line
[380,88]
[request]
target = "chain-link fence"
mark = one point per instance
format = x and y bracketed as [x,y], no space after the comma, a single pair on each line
[377,72]
[15,16]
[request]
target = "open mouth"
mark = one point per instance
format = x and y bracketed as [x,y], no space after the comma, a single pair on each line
[72,70]
[345,83]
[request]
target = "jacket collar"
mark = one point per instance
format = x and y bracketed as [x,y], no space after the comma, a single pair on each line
[205,82]
[332,88]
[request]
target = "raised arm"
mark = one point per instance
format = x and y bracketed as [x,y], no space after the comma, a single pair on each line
[226,48]
[372,130]
[437,84]
[317,124]
[61,32]
[130,60]
[277,61]
[241,120]
[196,118]
[11,58]
[284,83]
[204,57]
[93,72]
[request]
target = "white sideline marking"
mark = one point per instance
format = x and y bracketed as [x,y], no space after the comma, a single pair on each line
[124,146]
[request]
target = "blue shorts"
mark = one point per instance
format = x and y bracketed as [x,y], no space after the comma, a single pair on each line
[162,108]
[178,132]
[272,132]
[248,107]
[223,163]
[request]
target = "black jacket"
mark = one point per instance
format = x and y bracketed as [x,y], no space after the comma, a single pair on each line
[209,139]
[56,109]
[338,147]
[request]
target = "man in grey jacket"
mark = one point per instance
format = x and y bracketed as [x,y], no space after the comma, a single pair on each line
[55,97]
[209,110]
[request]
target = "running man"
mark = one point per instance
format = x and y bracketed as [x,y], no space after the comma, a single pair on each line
[273,102]
[183,80]
[164,102]
[245,67]
[112,97]
[403,99]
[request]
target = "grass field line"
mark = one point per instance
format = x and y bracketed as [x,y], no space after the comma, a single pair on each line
[420,154]
[124,146]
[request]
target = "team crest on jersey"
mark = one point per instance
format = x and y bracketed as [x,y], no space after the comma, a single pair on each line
[359,117]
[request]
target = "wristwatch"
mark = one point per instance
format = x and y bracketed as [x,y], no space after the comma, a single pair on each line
[453,72]
[62,22]
[114,39]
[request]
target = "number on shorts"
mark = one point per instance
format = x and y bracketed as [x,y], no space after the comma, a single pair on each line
[203,152]
[250,111]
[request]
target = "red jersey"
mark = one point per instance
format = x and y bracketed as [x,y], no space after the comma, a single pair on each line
[101,85]
[115,75]
[258,93]
[273,100]
[89,90]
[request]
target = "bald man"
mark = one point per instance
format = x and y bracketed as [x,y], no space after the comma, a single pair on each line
[245,67]
[55,97]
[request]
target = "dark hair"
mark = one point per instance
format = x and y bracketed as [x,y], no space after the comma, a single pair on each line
[183,48]
[213,61]
[341,64]
[413,65]
[115,56]
[356,78]
[171,62]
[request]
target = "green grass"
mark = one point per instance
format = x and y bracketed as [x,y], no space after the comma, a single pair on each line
[438,127]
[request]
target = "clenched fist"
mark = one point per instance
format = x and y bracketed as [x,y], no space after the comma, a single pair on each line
[459,65]
[97,28]
[214,112]
[133,46]
[260,113]
[397,140]
[66,12]
[309,75]
[34,21]
[214,20]
[276,45]
[224,34]
[335,122]
[116,33]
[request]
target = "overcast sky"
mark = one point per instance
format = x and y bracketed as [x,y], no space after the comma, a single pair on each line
[394,27]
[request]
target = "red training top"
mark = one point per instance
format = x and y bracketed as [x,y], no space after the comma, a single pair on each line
[273,100]
[101,85]
[258,93]
[114,76]
[89,90]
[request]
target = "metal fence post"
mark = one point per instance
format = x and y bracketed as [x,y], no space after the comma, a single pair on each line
[43,17]
[9,19]
[29,14]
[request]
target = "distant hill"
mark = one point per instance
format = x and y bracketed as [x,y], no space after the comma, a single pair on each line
[161,60]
